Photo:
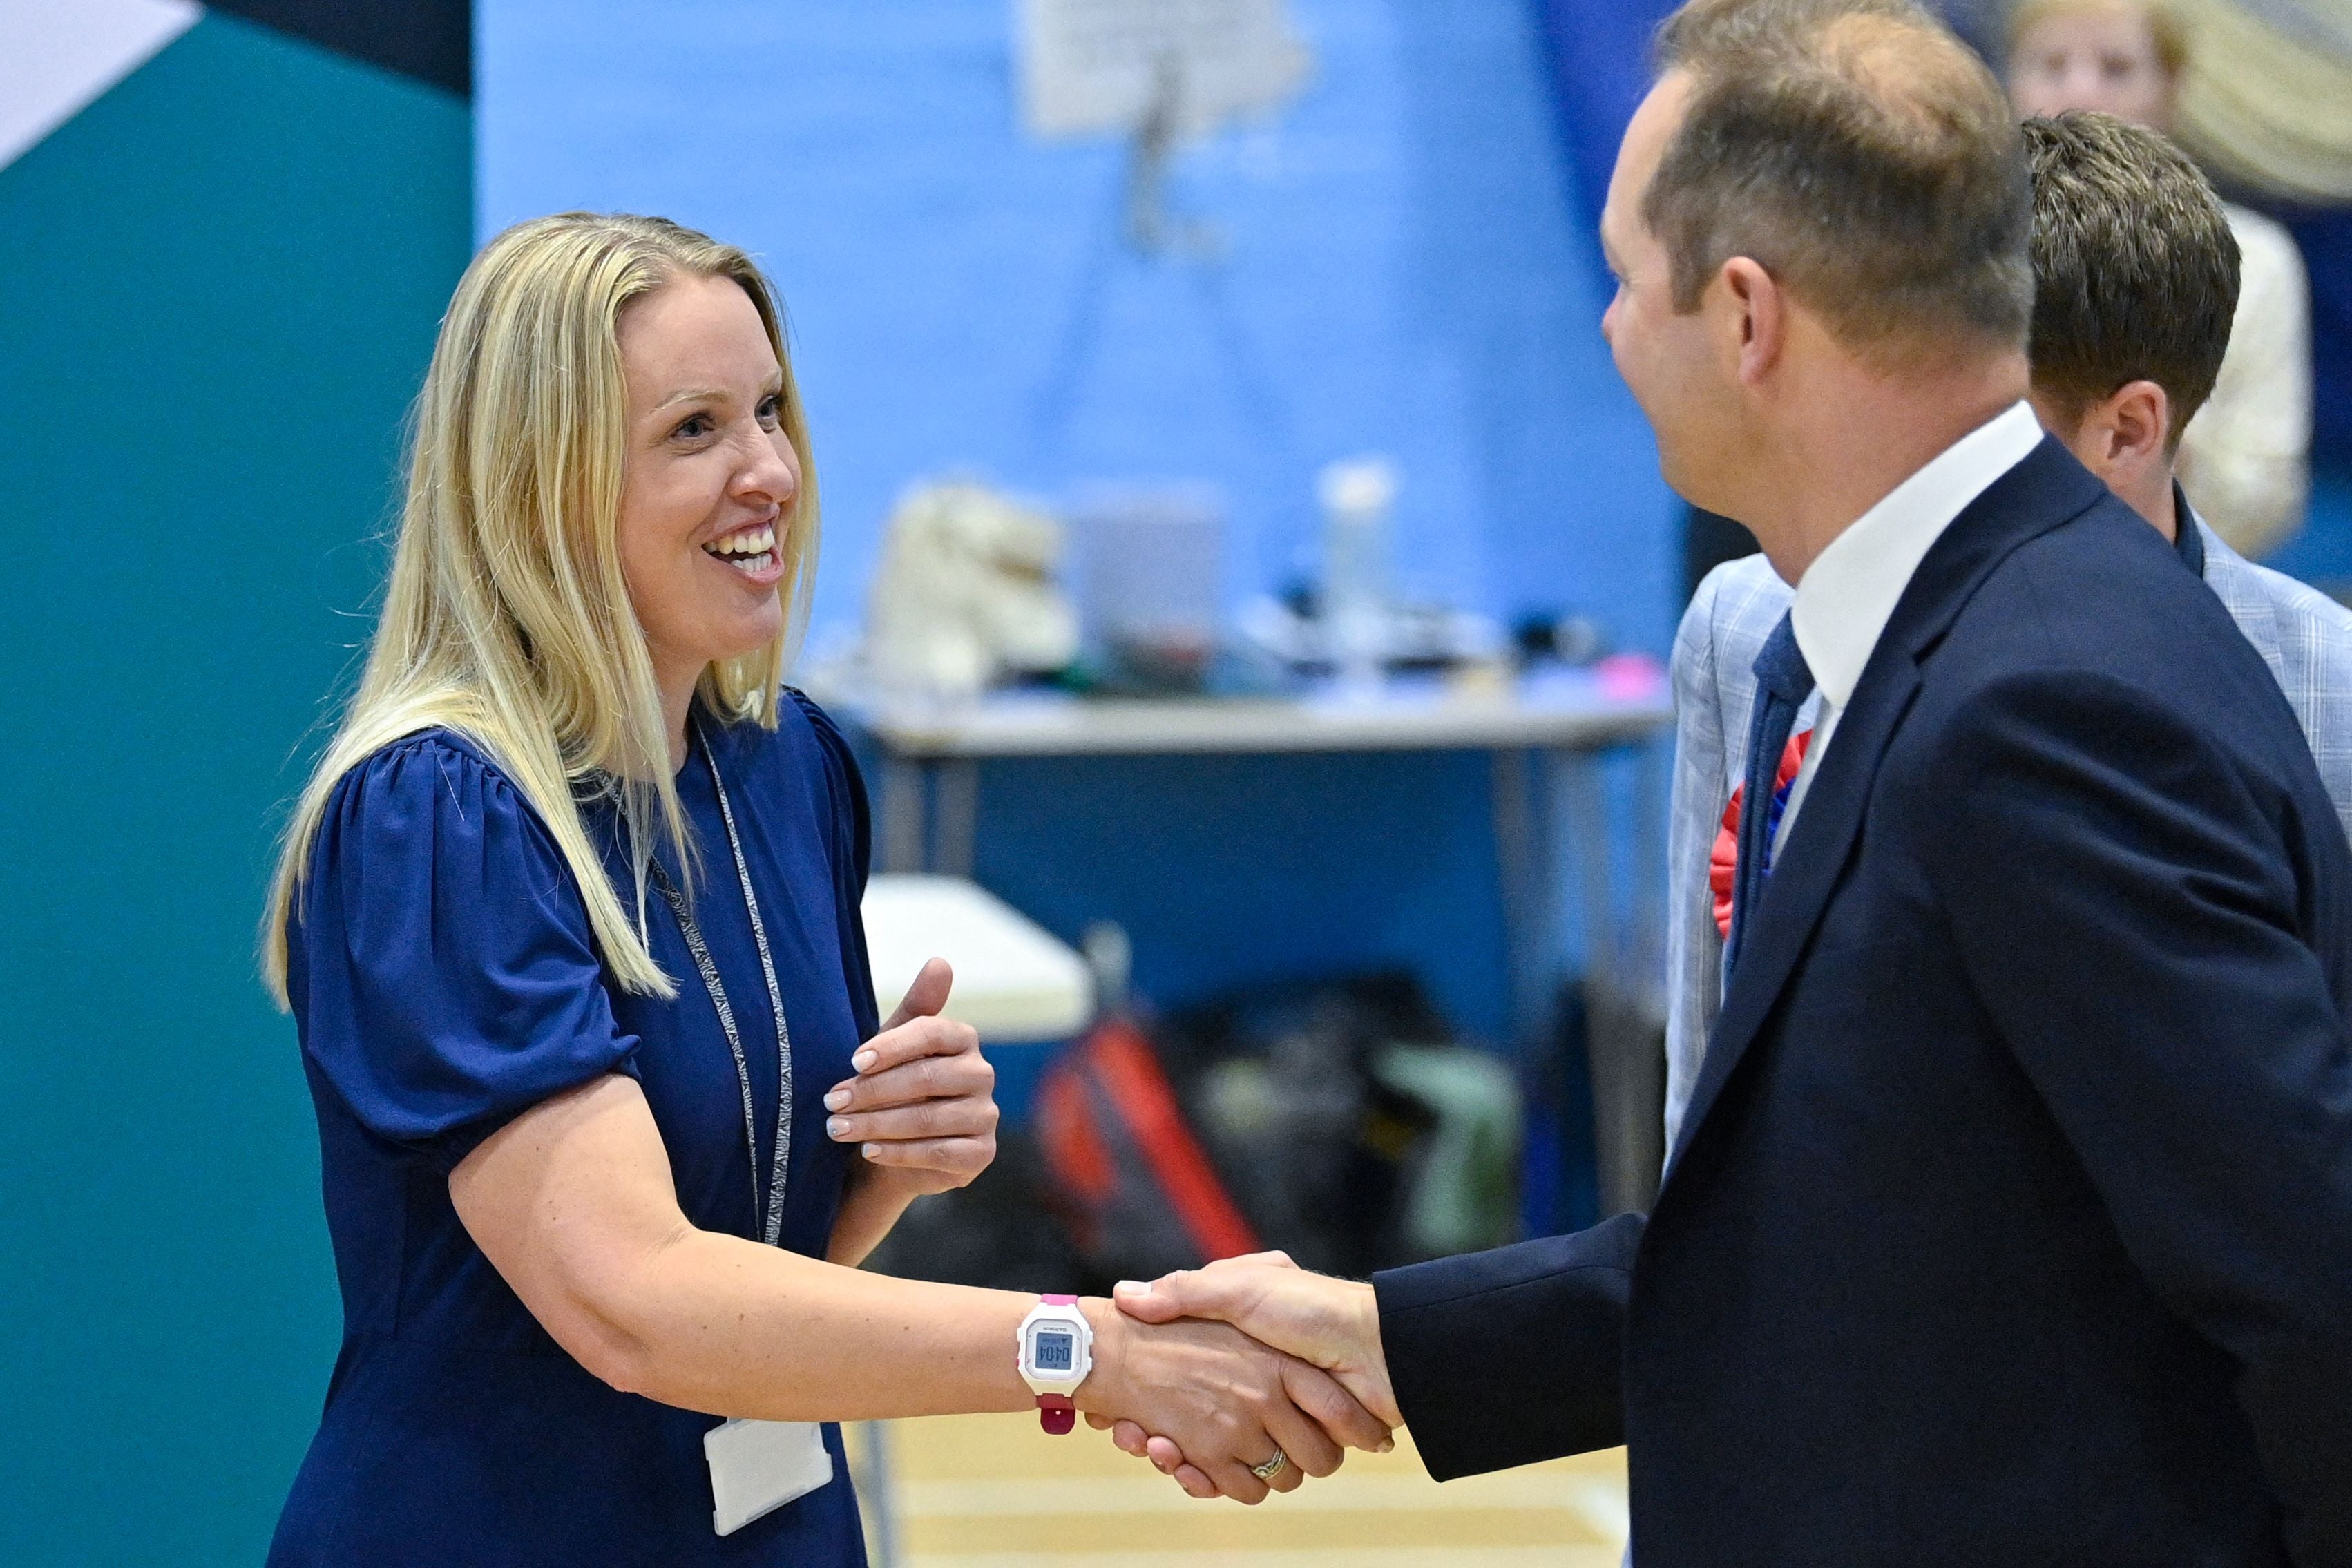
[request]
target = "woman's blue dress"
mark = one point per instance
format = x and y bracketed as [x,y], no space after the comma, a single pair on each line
[445,981]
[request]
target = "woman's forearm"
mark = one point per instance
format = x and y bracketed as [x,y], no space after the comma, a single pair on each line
[574,1203]
[720,1324]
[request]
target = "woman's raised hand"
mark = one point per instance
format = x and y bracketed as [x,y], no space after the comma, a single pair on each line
[923,1104]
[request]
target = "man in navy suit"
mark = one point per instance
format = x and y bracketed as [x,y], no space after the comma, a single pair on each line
[2011,1222]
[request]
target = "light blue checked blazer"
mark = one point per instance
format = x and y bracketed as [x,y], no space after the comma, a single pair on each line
[2304,635]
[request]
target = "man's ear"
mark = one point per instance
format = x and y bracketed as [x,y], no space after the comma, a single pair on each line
[2135,421]
[1757,317]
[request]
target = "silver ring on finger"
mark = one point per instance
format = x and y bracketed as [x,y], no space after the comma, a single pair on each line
[1272,1468]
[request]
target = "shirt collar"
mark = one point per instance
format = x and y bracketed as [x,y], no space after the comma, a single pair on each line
[2187,535]
[1847,595]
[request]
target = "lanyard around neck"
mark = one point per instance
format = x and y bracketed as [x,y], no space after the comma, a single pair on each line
[772,1229]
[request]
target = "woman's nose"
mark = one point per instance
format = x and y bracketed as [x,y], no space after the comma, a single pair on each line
[766,472]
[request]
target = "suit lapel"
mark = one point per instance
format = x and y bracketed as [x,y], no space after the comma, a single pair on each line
[1804,872]
[2048,487]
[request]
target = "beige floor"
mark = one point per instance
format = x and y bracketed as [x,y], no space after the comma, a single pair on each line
[994,1491]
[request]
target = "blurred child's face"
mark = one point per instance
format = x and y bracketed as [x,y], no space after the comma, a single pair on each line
[2101,57]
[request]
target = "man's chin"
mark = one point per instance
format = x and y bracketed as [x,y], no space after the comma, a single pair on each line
[1690,487]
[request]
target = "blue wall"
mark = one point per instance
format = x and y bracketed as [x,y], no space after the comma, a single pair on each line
[1402,271]
[222,282]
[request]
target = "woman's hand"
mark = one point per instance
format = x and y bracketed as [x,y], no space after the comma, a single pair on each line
[923,1105]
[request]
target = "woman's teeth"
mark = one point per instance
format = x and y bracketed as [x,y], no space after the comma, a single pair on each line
[751,550]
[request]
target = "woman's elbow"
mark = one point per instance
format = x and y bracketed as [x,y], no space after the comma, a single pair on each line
[627,1363]
[607,1318]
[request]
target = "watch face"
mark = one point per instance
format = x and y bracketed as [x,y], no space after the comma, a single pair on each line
[1052,1351]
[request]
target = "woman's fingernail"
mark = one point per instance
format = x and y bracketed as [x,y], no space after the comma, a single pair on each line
[871,1150]
[863,1060]
[1387,1444]
[836,1099]
[1130,1288]
[837,1127]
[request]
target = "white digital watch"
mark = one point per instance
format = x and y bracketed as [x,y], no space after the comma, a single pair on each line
[1056,1346]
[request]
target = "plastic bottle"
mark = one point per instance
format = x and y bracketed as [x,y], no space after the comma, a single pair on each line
[1357,494]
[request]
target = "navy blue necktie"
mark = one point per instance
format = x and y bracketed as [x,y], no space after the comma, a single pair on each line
[1783,681]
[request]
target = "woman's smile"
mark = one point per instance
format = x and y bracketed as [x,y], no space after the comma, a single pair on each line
[748,552]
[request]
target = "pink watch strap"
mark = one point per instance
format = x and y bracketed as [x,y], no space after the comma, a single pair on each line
[1055,1413]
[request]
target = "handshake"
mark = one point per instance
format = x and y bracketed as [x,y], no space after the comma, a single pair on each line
[1241,1378]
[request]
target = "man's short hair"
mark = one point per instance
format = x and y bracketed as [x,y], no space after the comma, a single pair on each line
[2165,28]
[1859,153]
[2134,268]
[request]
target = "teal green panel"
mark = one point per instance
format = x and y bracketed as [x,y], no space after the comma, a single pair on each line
[219,288]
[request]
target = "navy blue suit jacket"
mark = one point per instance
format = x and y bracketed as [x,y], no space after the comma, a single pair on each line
[2012,1220]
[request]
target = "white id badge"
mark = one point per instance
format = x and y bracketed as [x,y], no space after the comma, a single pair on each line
[758,1466]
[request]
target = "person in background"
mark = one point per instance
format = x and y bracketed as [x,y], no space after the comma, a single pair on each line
[2244,461]
[568,918]
[2134,291]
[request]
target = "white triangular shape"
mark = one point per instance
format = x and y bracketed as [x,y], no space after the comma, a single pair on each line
[57,56]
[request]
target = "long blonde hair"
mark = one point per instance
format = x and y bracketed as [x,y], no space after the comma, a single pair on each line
[507,618]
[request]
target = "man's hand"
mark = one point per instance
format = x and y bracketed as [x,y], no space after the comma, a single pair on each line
[1332,1323]
[923,1104]
[1226,1401]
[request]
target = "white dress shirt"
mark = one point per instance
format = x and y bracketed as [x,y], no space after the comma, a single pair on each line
[1846,595]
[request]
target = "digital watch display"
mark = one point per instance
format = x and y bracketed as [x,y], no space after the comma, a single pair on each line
[1055,1347]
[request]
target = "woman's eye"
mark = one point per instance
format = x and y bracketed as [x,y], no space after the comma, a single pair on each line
[692,425]
[771,410]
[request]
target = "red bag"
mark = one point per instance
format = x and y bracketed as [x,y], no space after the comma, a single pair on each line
[1136,1188]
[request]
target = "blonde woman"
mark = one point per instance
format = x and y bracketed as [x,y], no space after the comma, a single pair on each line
[569,921]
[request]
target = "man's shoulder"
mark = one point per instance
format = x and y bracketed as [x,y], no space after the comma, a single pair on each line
[1745,589]
[2299,608]
[1736,608]
[2097,634]
[2103,594]
[2306,639]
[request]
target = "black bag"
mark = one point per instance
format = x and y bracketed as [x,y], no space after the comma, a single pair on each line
[1322,1156]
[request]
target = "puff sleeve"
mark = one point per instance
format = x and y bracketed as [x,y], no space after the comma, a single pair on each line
[444,972]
